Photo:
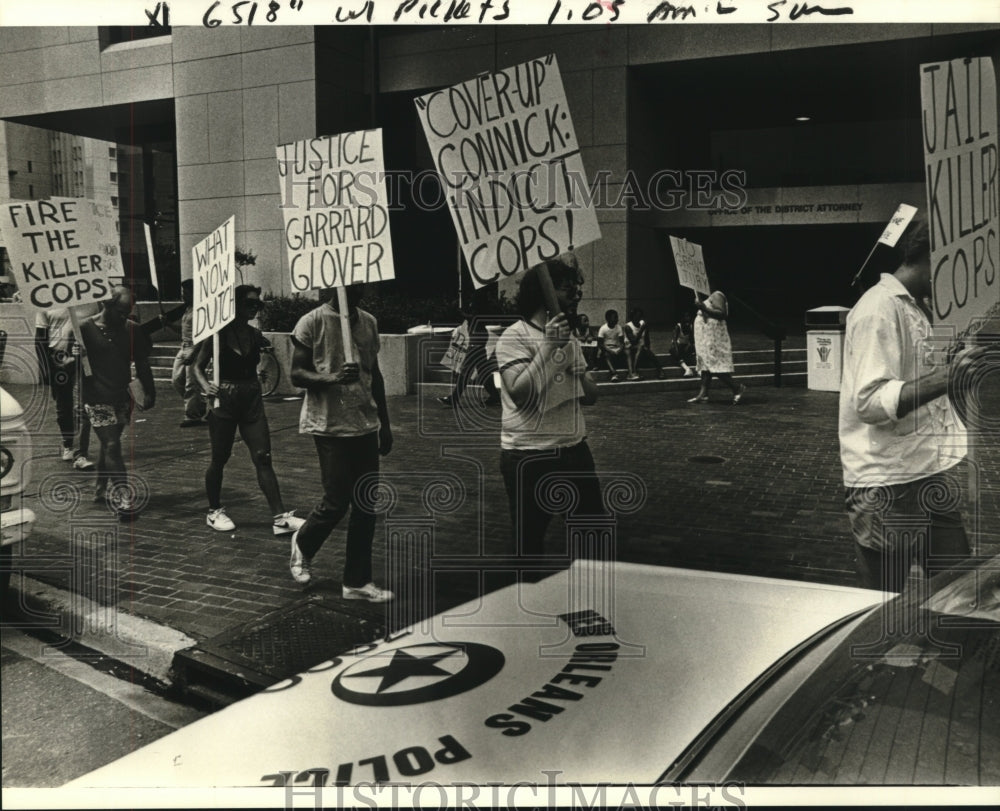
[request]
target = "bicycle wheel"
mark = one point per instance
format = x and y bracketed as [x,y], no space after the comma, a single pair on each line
[269,373]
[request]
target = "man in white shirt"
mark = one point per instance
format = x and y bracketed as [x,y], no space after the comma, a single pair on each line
[900,437]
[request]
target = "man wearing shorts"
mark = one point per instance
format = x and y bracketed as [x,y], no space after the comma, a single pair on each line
[113,343]
[900,437]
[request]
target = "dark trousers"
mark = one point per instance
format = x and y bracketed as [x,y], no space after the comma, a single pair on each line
[536,483]
[70,417]
[343,461]
[895,525]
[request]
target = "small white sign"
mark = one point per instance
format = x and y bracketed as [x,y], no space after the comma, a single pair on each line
[214,263]
[897,224]
[690,265]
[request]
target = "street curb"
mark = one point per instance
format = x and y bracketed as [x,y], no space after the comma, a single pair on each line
[134,641]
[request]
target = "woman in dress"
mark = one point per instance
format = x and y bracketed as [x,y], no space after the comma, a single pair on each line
[713,347]
[237,402]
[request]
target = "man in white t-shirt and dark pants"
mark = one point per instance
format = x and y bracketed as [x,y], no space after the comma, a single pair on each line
[544,383]
[345,411]
[900,437]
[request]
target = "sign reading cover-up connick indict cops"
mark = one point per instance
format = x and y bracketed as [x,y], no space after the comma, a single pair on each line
[214,263]
[959,100]
[690,265]
[55,252]
[336,211]
[509,159]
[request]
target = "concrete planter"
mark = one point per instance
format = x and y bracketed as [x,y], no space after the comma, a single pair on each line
[397,360]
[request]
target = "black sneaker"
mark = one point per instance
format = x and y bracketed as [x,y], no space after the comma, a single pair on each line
[446,400]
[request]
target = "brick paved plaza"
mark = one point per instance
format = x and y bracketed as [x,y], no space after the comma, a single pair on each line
[753,489]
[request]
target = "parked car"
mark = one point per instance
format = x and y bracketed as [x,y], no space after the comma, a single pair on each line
[648,676]
[15,473]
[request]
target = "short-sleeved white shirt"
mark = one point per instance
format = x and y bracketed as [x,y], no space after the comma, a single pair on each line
[339,410]
[536,426]
[614,337]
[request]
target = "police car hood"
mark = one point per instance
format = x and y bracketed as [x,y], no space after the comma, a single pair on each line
[597,674]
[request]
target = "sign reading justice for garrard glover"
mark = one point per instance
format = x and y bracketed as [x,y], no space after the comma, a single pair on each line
[214,263]
[959,100]
[336,210]
[55,252]
[509,160]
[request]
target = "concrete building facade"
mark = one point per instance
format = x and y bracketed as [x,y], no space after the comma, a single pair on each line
[697,100]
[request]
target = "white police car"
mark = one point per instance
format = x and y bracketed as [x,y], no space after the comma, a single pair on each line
[15,473]
[628,674]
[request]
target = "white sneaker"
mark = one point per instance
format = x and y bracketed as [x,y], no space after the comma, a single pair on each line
[217,519]
[634,377]
[297,563]
[67,454]
[369,592]
[287,522]
[82,463]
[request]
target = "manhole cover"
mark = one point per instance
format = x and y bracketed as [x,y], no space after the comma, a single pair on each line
[706,460]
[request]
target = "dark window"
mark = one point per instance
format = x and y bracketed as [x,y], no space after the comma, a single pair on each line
[29,166]
[115,34]
[114,177]
[31,192]
[114,202]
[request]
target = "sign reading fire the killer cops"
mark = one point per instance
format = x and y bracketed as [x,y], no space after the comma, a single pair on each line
[509,160]
[56,252]
[336,211]
[959,100]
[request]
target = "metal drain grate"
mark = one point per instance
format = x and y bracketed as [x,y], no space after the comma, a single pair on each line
[280,644]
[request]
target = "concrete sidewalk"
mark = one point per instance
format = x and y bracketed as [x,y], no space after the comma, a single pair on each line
[752,489]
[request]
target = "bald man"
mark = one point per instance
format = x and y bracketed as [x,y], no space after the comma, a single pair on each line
[113,343]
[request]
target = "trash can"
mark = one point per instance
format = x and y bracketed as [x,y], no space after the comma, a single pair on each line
[825,347]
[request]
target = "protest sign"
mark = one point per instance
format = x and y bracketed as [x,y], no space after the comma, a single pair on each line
[959,101]
[690,265]
[509,161]
[55,252]
[105,220]
[336,211]
[897,224]
[890,236]
[214,263]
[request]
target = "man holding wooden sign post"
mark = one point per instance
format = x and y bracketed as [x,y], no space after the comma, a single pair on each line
[59,264]
[337,235]
[509,160]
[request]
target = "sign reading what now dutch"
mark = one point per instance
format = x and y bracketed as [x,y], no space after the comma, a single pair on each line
[509,161]
[56,252]
[214,263]
[959,100]
[335,210]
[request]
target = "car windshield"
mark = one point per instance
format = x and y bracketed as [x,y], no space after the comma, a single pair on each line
[909,694]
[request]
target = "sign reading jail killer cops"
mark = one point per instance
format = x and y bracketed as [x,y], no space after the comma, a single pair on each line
[55,252]
[214,263]
[509,160]
[690,265]
[959,100]
[336,210]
